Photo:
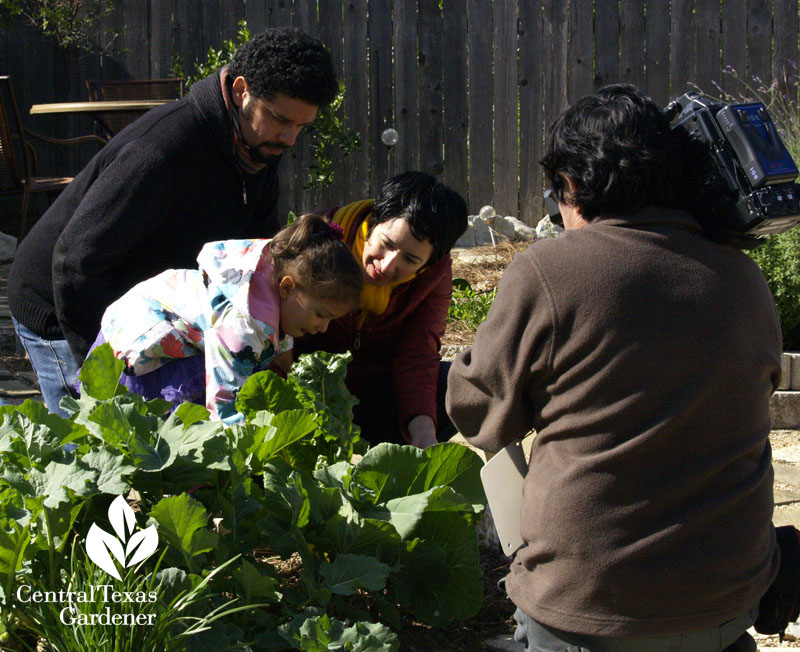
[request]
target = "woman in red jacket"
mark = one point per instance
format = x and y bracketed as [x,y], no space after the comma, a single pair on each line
[402,240]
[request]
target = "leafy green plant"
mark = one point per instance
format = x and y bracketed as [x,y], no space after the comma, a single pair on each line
[69,22]
[327,134]
[779,256]
[367,537]
[469,307]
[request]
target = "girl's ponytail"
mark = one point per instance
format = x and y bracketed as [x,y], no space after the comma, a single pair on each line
[311,250]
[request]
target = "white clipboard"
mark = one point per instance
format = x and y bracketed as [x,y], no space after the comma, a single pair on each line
[502,478]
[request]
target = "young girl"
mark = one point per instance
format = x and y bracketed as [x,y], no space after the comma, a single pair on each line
[186,333]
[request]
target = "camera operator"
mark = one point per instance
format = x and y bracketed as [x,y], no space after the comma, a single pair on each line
[644,355]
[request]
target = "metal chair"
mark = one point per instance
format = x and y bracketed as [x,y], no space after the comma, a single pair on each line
[136,89]
[19,174]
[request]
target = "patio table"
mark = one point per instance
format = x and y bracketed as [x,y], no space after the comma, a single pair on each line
[97,109]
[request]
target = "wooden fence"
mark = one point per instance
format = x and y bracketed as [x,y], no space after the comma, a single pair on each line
[470,85]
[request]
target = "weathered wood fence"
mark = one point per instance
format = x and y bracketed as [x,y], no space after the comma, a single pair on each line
[470,85]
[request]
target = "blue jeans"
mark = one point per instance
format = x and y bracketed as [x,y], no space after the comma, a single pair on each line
[54,365]
[540,638]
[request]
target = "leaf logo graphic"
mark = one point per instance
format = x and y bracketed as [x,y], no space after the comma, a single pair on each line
[126,547]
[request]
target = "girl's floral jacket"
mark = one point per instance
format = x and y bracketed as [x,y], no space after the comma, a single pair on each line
[228,310]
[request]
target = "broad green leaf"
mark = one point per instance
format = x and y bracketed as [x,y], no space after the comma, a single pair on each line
[350,572]
[315,632]
[367,637]
[182,522]
[155,455]
[257,587]
[405,512]
[57,477]
[190,413]
[285,428]
[390,471]
[350,532]
[266,390]
[100,374]
[12,549]
[335,475]
[111,469]
[201,442]
[422,567]
[459,594]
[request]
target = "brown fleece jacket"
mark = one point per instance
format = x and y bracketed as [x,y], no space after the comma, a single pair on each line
[644,355]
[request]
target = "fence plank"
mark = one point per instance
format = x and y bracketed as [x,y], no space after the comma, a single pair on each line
[431,102]
[581,46]
[479,71]
[759,42]
[682,57]
[784,57]
[406,110]
[211,14]
[606,42]
[231,14]
[330,26]
[631,42]
[161,37]
[356,175]
[506,152]
[281,13]
[456,115]
[707,62]
[531,121]
[188,35]
[255,13]
[657,50]
[734,45]
[554,41]
[379,31]
[306,199]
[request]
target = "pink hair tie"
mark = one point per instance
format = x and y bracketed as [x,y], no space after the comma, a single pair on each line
[335,231]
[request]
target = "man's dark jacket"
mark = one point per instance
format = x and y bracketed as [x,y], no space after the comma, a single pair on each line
[147,202]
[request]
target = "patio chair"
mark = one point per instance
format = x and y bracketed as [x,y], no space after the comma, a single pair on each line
[19,174]
[136,89]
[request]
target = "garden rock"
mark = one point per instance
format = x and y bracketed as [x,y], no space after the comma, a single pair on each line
[505,227]
[480,230]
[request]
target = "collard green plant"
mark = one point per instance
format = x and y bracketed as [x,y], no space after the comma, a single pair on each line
[231,503]
[326,135]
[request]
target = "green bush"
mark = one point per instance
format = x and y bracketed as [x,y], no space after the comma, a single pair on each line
[779,259]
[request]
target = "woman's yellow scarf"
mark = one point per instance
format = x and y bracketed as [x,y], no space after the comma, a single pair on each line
[374,298]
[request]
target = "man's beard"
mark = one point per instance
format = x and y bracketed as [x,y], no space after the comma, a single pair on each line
[254,150]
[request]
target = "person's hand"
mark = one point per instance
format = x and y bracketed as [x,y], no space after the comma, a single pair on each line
[422,431]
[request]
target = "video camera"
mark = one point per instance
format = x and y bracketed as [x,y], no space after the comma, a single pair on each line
[747,182]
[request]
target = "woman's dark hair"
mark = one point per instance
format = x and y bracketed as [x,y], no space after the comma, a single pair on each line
[313,254]
[618,147]
[432,210]
[287,61]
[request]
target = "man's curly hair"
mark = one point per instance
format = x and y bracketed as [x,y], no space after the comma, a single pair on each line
[618,147]
[287,61]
